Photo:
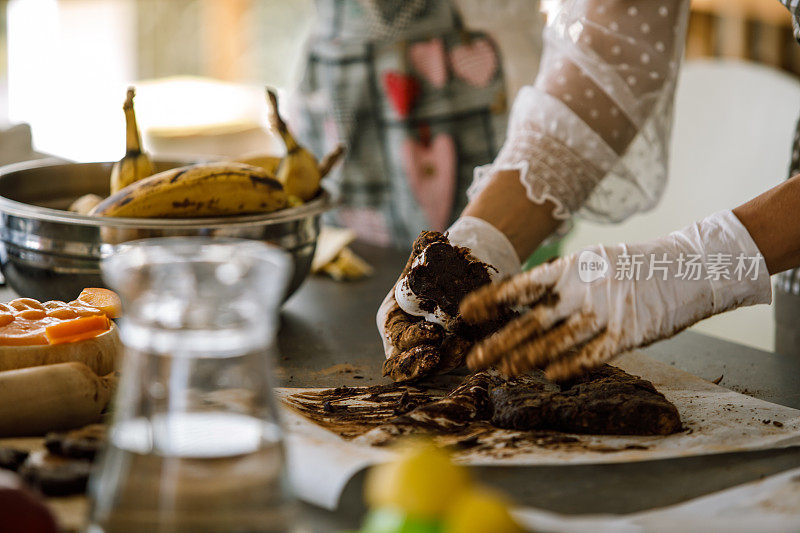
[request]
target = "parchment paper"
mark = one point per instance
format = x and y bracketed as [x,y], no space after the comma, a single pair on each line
[717,420]
[770,505]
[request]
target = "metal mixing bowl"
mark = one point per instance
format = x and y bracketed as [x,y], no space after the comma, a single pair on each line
[49,253]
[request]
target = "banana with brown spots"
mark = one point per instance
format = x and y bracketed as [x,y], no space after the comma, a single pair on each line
[196,191]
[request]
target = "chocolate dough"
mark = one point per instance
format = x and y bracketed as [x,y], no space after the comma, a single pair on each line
[426,359]
[607,401]
[446,276]
[467,402]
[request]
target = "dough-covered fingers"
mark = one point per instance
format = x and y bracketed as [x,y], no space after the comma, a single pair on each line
[491,349]
[539,351]
[412,364]
[453,351]
[405,331]
[492,301]
[594,353]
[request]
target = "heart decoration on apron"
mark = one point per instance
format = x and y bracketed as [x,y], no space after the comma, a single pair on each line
[430,60]
[402,90]
[331,132]
[431,172]
[474,62]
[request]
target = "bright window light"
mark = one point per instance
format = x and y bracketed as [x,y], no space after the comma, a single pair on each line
[68,66]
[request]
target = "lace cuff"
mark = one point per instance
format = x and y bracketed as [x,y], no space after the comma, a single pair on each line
[591,135]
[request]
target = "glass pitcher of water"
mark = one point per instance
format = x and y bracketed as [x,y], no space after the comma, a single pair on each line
[195,443]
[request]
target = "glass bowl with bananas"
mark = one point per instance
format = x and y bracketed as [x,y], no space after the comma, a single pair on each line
[60,218]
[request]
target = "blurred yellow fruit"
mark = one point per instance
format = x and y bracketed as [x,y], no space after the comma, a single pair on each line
[295,201]
[421,482]
[479,510]
[270,163]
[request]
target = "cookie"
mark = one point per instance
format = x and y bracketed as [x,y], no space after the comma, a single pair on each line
[12,458]
[56,476]
[83,443]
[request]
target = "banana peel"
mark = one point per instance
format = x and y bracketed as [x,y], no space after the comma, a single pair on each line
[334,258]
[347,267]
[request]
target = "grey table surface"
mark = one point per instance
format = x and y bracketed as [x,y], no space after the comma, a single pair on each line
[328,338]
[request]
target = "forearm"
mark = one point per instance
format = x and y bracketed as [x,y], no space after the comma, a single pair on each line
[773,221]
[504,204]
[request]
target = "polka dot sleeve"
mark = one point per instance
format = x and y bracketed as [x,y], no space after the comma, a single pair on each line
[591,134]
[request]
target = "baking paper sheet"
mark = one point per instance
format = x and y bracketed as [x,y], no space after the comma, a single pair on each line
[717,420]
[770,505]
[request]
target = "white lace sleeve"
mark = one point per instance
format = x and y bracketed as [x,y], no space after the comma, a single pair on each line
[591,134]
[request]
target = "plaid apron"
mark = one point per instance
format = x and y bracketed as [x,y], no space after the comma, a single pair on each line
[787,287]
[417,99]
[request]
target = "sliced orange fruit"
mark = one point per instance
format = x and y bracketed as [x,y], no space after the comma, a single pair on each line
[77,329]
[103,299]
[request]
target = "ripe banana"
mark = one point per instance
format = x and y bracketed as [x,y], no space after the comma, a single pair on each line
[270,163]
[214,189]
[135,165]
[299,171]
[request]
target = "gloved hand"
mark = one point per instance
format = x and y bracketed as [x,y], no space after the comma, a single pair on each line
[423,334]
[575,322]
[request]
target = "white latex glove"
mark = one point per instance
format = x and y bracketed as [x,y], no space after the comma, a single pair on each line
[577,322]
[422,339]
